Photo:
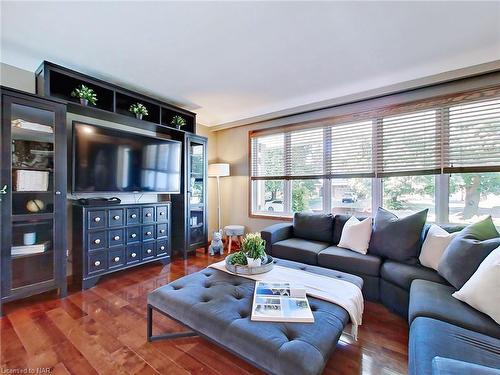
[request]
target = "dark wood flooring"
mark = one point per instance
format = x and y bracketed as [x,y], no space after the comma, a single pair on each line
[103,331]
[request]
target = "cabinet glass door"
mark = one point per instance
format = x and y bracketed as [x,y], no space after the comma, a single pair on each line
[197,195]
[32,195]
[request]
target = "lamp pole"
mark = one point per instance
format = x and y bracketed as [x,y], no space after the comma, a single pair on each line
[218,203]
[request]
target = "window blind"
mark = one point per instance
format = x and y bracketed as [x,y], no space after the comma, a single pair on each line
[351,150]
[409,144]
[473,142]
[456,133]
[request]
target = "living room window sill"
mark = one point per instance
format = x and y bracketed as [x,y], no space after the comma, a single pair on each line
[270,217]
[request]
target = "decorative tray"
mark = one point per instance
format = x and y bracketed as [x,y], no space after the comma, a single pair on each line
[245,270]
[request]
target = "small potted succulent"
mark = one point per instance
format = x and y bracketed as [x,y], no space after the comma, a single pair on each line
[178,122]
[139,110]
[85,94]
[254,248]
[239,258]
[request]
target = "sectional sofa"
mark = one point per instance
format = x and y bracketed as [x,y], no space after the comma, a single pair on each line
[446,335]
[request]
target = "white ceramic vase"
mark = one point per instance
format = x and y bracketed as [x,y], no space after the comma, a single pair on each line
[254,262]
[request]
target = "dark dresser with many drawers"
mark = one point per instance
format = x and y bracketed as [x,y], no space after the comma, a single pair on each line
[114,237]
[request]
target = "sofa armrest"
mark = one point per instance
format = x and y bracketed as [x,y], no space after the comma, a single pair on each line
[275,233]
[447,366]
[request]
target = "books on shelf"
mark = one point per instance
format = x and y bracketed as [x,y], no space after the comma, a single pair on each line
[30,249]
[25,180]
[280,302]
[22,124]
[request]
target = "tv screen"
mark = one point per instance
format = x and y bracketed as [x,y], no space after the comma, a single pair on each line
[114,161]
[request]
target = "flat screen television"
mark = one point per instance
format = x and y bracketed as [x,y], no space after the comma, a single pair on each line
[107,160]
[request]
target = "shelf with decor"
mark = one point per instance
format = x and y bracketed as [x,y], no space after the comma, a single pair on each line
[113,102]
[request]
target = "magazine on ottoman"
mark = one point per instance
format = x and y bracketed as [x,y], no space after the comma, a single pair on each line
[280,302]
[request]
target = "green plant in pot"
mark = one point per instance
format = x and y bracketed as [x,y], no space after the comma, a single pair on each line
[178,122]
[85,94]
[238,258]
[254,248]
[139,110]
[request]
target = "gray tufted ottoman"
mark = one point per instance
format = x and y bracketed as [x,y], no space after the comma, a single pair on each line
[217,305]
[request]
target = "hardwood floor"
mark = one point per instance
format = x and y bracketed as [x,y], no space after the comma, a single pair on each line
[103,331]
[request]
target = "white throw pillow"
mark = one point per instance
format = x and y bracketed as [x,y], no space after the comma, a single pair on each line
[356,235]
[481,291]
[435,243]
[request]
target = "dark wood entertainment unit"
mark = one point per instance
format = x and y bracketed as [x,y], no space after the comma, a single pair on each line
[114,237]
[24,275]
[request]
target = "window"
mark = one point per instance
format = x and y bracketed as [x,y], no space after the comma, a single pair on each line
[405,195]
[269,197]
[307,195]
[439,154]
[352,196]
[473,196]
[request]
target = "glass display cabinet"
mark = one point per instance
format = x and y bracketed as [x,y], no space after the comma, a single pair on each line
[189,230]
[33,195]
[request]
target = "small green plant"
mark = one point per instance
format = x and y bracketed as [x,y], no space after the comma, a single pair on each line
[178,121]
[254,246]
[85,93]
[139,109]
[238,258]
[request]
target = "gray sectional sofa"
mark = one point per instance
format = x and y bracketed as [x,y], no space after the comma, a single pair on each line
[447,336]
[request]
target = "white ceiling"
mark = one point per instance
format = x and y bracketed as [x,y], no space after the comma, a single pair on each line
[229,61]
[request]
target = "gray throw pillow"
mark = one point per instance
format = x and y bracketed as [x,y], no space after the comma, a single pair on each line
[312,226]
[398,239]
[467,250]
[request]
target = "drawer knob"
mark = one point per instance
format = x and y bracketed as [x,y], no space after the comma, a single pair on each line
[162,230]
[133,255]
[133,235]
[116,217]
[117,259]
[133,216]
[162,247]
[97,241]
[148,233]
[97,219]
[149,251]
[116,238]
[162,213]
[97,263]
[148,214]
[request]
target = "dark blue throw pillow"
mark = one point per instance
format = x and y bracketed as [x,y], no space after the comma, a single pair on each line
[467,250]
[398,239]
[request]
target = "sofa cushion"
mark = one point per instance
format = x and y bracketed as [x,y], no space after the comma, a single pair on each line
[313,226]
[338,226]
[402,274]
[436,241]
[447,366]
[433,300]
[482,290]
[467,250]
[349,261]
[398,239]
[431,338]
[299,250]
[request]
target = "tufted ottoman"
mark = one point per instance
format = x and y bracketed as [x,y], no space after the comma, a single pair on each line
[217,305]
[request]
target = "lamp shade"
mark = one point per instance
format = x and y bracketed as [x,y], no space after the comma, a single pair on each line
[218,170]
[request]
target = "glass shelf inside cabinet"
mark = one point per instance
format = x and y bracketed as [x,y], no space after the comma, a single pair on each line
[32,152]
[32,253]
[197,175]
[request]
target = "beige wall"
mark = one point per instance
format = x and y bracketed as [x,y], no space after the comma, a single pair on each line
[16,78]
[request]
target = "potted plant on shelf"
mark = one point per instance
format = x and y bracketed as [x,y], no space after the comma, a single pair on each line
[178,122]
[254,248]
[85,94]
[139,110]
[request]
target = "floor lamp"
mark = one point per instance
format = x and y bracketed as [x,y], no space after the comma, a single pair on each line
[218,170]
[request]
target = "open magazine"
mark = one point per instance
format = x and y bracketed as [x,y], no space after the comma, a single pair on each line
[280,302]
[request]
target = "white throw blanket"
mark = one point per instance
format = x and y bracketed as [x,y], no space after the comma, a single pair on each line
[339,292]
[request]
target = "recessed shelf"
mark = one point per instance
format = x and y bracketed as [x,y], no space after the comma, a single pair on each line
[56,81]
